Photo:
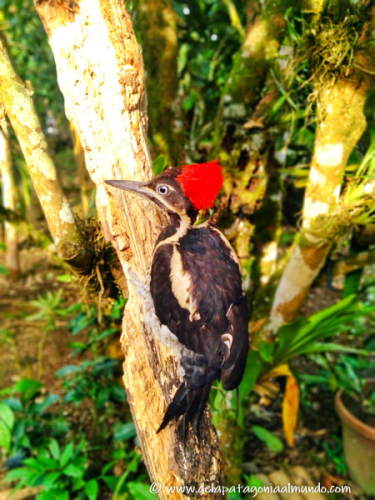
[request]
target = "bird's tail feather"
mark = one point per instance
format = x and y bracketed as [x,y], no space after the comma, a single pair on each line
[187,402]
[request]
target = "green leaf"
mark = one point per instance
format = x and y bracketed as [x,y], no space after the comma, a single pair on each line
[125,432]
[59,494]
[47,495]
[5,436]
[67,370]
[4,271]
[141,491]
[25,441]
[73,397]
[19,473]
[49,463]
[102,397]
[73,470]
[254,365]
[81,322]
[107,333]
[34,463]
[92,489]
[50,479]
[273,442]
[28,388]
[77,483]
[67,454]
[182,57]
[108,467]
[13,403]
[64,278]
[79,346]
[296,337]
[159,164]
[7,415]
[266,351]
[111,482]
[118,393]
[352,282]
[332,347]
[19,429]
[55,449]
[314,379]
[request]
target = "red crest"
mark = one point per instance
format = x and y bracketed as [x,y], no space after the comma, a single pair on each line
[201,183]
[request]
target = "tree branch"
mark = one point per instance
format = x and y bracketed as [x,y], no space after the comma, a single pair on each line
[71,244]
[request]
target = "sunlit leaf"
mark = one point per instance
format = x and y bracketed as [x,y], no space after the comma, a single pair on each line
[159,164]
[7,415]
[140,491]
[92,489]
[5,436]
[272,442]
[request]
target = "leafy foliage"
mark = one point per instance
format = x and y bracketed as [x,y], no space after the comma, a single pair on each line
[45,445]
[304,336]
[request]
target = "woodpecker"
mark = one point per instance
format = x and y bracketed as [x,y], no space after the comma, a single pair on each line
[196,286]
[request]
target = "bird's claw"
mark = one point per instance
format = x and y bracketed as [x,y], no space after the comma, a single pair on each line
[137,283]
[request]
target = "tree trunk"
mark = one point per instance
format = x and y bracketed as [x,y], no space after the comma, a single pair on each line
[341,122]
[12,261]
[101,75]
[71,245]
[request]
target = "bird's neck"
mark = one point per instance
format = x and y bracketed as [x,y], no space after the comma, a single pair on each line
[181,223]
[177,228]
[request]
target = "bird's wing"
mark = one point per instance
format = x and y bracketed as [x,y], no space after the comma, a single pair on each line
[197,291]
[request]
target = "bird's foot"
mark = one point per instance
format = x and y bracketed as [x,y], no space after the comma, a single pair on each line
[137,283]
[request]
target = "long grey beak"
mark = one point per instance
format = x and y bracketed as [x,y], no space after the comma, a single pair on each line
[140,188]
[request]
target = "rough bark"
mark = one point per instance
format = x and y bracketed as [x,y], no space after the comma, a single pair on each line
[158,29]
[12,261]
[341,124]
[71,245]
[101,75]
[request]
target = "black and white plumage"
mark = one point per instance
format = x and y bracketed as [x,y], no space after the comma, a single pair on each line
[196,288]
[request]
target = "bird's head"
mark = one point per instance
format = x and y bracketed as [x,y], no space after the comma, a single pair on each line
[182,191]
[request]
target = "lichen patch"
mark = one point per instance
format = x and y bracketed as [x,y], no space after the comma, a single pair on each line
[317,177]
[66,214]
[313,209]
[329,155]
[44,164]
[35,138]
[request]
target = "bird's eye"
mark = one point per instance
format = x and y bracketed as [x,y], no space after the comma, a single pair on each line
[162,189]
